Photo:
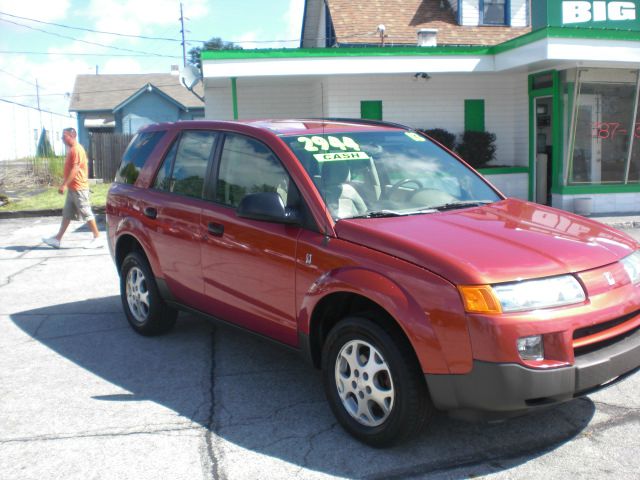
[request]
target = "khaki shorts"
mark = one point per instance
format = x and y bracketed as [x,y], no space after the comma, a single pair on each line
[77,206]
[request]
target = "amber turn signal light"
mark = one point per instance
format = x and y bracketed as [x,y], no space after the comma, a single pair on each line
[479,299]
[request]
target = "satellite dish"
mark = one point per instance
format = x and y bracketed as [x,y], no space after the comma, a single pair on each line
[190,76]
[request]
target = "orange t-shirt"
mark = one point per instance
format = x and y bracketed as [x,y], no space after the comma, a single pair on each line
[77,156]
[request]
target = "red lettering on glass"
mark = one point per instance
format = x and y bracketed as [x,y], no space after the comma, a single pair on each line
[609,130]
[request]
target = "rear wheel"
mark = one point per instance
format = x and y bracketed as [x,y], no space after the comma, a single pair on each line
[373,383]
[145,310]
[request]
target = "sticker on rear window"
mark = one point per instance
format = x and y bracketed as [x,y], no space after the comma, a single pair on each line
[317,143]
[340,156]
[415,137]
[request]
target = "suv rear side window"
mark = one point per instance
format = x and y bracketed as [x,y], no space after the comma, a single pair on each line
[249,166]
[185,175]
[136,154]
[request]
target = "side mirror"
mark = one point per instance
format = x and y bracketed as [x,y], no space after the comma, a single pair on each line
[266,207]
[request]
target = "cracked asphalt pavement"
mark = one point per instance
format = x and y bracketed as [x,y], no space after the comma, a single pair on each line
[83,397]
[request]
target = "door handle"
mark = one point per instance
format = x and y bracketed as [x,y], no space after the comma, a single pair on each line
[150,212]
[216,229]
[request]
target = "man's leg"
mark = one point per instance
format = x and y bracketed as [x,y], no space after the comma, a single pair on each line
[93,227]
[63,228]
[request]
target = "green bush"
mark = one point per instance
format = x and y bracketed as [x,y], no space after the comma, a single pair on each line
[442,136]
[477,148]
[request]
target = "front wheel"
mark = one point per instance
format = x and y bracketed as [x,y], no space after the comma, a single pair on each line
[145,310]
[373,383]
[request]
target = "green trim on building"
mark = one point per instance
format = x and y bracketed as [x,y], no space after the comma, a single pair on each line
[596,189]
[503,170]
[474,115]
[550,32]
[371,109]
[234,97]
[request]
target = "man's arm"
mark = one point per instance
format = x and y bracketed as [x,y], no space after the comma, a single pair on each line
[75,161]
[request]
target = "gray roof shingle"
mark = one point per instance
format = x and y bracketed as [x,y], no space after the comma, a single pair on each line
[105,92]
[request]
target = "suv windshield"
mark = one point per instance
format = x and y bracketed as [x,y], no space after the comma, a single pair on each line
[387,173]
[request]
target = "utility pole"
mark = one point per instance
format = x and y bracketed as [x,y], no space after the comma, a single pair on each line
[184,45]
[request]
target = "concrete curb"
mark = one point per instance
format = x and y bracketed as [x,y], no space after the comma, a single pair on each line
[55,212]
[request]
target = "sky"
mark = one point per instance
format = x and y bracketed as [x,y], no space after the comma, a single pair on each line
[33,52]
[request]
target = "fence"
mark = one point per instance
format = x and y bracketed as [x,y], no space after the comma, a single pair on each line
[105,152]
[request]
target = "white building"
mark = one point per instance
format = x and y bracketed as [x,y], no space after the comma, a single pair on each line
[21,128]
[556,81]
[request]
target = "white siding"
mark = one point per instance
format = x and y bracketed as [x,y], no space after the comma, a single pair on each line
[470,12]
[265,98]
[439,103]
[519,13]
[513,185]
[602,203]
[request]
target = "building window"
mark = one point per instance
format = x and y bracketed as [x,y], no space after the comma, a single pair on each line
[494,12]
[604,144]
[371,109]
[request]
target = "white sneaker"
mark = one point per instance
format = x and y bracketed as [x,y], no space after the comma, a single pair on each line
[94,243]
[52,242]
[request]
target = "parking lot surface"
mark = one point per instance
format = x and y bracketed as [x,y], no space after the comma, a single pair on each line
[84,397]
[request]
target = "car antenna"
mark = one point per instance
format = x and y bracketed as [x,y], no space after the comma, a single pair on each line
[326,206]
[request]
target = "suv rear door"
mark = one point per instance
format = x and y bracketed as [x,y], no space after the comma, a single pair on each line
[248,265]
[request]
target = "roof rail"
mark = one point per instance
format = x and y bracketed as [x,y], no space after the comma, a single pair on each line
[365,121]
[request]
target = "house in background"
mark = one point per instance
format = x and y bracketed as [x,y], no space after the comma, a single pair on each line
[557,82]
[125,103]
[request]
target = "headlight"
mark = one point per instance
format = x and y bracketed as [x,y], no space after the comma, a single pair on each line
[534,294]
[520,296]
[631,264]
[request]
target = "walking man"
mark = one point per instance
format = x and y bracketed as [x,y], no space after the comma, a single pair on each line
[76,205]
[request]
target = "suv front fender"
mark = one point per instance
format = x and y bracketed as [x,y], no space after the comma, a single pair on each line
[421,322]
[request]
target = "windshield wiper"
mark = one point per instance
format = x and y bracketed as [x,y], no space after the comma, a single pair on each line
[380,214]
[460,204]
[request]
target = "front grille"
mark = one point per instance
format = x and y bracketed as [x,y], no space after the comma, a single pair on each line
[603,344]
[601,327]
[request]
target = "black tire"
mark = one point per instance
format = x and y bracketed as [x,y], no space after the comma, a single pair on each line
[145,310]
[398,379]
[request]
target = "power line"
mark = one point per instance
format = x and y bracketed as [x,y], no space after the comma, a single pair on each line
[82,41]
[17,77]
[70,54]
[141,37]
[35,108]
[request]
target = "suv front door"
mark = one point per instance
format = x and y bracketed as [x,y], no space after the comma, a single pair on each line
[248,266]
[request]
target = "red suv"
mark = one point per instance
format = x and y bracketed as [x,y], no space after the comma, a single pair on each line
[383,258]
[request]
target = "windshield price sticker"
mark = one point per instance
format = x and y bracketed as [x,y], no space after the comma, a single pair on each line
[415,137]
[340,156]
[317,143]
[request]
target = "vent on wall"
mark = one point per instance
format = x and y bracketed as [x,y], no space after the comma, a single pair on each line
[427,37]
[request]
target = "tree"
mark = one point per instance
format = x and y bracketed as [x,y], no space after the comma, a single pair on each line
[44,145]
[215,43]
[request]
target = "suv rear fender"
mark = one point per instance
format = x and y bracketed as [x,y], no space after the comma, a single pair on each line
[131,228]
[364,292]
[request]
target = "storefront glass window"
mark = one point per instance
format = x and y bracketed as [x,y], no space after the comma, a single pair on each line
[604,128]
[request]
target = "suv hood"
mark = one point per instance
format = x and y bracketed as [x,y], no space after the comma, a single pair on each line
[505,241]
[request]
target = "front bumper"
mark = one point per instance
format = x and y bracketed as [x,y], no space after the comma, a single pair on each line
[499,390]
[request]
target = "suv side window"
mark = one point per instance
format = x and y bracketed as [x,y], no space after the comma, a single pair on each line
[249,166]
[185,175]
[136,154]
